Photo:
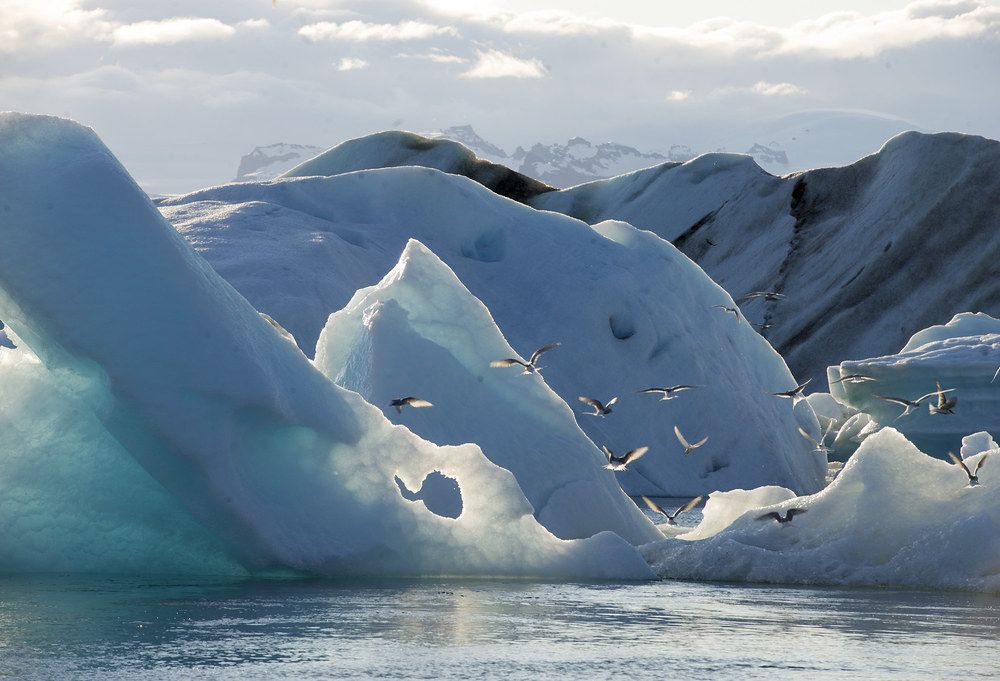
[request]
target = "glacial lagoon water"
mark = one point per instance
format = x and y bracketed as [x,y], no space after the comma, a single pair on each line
[117,628]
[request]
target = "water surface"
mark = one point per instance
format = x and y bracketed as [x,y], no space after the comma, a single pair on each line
[90,627]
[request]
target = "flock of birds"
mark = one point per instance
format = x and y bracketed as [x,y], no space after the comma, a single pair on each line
[943,403]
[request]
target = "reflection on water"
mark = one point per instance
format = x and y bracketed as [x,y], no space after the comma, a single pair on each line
[116,628]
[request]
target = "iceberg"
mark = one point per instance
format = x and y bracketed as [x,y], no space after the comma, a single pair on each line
[420,332]
[893,517]
[962,355]
[630,310]
[284,469]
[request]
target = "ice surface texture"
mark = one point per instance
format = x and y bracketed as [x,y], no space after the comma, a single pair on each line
[420,332]
[283,467]
[894,516]
[963,355]
[630,310]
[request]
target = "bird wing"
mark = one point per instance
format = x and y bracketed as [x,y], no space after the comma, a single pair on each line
[678,388]
[897,400]
[806,435]
[680,438]
[607,452]
[686,507]
[801,386]
[699,443]
[981,463]
[655,390]
[634,454]
[418,403]
[995,375]
[500,363]
[936,392]
[957,461]
[596,404]
[612,401]
[653,506]
[540,351]
[773,515]
[792,512]
[751,295]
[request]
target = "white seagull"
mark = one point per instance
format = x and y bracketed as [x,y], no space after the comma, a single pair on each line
[795,394]
[787,518]
[620,463]
[668,391]
[600,409]
[671,517]
[944,404]
[531,366]
[415,402]
[973,475]
[688,447]
[910,405]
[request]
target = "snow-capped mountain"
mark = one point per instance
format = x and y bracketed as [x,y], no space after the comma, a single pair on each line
[862,255]
[906,230]
[465,135]
[565,165]
[266,163]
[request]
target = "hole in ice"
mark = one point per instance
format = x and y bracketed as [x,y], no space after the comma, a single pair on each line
[489,246]
[440,494]
[622,327]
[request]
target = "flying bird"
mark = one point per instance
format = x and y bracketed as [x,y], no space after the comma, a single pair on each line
[762,326]
[945,405]
[668,391]
[853,378]
[671,517]
[734,310]
[795,394]
[599,408]
[531,366]
[910,405]
[973,475]
[620,463]
[415,402]
[688,447]
[766,295]
[709,242]
[821,443]
[787,518]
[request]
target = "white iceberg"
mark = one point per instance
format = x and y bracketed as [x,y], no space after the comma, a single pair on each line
[285,469]
[893,517]
[420,332]
[962,355]
[630,310]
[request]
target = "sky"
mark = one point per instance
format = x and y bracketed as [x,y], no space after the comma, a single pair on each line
[180,89]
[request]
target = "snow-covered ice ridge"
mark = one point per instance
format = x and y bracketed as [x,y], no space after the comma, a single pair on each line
[137,365]
[893,517]
[864,254]
[630,310]
[154,421]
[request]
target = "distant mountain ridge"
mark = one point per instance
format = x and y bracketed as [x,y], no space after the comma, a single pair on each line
[863,255]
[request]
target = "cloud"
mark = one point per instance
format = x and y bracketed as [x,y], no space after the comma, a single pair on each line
[351,64]
[361,31]
[838,35]
[171,31]
[33,24]
[678,95]
[497,64]
[777,89]
[435,55]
